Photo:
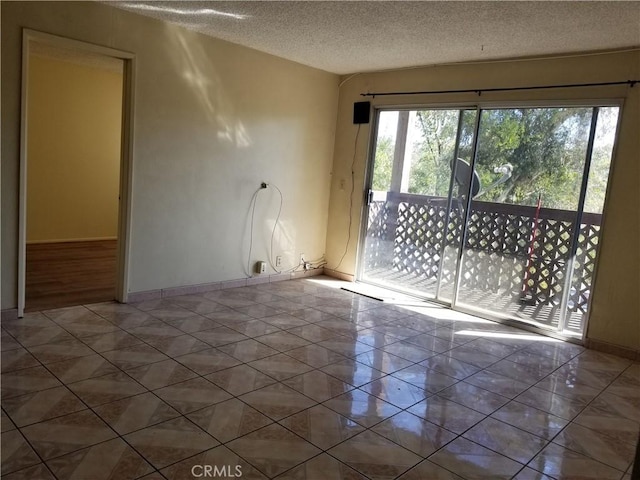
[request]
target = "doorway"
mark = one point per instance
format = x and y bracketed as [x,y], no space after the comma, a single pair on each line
[74,173]
[492,210]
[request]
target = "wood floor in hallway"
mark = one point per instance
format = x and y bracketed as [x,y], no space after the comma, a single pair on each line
[70,273]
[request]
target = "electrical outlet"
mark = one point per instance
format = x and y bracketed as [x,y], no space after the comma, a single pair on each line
[302,259]
[278,261]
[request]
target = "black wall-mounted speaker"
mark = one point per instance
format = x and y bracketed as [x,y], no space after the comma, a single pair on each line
[361,112]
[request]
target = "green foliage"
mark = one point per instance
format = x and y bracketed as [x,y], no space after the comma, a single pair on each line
[601,159]
[546,148]
[383,164]
[434,150]
[431,159]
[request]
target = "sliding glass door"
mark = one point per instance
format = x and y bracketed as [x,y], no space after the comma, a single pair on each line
[492,210]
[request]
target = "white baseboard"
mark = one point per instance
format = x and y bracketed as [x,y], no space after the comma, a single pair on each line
[620,351]
[144,296]
[339,275]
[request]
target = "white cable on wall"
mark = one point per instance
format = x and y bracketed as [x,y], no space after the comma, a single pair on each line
[275,225]
[273,231]
[252,205]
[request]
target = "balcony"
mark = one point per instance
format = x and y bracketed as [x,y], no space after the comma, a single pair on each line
[512,263]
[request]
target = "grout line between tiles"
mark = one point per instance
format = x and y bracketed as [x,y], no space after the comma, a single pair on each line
[313,368]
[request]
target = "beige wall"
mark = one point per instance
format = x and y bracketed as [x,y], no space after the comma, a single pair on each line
[212,120]
[74,129]
[615,316]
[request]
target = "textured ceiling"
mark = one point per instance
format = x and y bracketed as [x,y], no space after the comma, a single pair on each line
[347,37]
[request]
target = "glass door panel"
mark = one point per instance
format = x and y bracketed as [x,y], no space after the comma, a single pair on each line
[520,231]
[584,260]
[414,225]
[453,232]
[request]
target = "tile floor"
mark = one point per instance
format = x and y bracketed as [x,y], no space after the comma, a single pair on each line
[303,380]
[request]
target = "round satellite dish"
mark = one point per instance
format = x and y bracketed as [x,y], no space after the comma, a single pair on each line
[463,173]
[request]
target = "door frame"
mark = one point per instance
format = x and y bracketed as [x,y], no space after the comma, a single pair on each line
[479,107]
[126,156]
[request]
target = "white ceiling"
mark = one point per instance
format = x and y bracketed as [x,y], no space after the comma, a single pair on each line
[358,36]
